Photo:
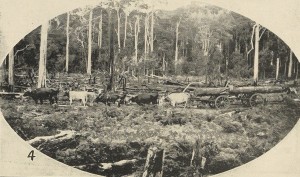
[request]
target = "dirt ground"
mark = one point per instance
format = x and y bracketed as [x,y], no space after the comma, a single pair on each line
[101,134]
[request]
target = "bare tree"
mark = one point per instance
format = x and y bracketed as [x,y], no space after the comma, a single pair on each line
[11,69]
[89,63]
[290,64]
[43,56]
[68,42]
[176,44]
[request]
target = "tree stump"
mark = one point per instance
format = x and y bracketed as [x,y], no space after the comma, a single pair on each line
[198,160]
[154,163]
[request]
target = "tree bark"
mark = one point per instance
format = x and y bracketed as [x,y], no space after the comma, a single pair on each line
[68,41]
[43,56]
[89,63]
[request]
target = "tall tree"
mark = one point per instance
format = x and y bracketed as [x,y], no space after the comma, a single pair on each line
[256,53]
[290,64]
[136,37]
[176,44]
[89,63]
[68,42]
[111,85]
[43,56]
[11,69]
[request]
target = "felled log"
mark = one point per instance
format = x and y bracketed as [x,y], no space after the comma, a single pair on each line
[154,162]
[124,167]
[211,91]
[63,135]
[168,82]
[258,89]
[122,163]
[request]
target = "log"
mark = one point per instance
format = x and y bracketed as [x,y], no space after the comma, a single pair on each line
[122,163]
[63,135]
[211,91]
[259,89]
[110,169]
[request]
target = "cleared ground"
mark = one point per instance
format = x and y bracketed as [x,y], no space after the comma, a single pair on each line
[102,134]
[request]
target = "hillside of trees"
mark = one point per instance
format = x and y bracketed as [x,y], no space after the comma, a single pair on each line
[137,37]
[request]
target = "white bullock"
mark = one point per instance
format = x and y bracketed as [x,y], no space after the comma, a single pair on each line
[176,98]
[78,95]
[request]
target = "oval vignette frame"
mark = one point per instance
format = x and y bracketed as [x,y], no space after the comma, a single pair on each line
[266,165]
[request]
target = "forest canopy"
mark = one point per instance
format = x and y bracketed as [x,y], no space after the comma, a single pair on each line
[138,37]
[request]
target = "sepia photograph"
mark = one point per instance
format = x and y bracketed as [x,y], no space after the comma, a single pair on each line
[149,88]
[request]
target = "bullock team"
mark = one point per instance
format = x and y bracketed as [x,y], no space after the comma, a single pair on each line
[108,98]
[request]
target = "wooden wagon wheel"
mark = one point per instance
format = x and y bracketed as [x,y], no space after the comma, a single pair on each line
[245,99]
[211,102]
[256,99]
[222,101]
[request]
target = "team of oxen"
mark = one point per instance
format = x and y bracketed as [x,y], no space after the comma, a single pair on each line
[108,98]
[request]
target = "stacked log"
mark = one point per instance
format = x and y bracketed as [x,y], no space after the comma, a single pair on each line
[257,89]
[211,91]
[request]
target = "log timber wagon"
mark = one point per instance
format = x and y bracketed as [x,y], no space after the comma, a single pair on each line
[222,97]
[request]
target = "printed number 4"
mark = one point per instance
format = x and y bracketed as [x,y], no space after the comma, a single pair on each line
[31,155]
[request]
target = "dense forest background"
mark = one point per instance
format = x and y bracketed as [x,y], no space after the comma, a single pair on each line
[196,40]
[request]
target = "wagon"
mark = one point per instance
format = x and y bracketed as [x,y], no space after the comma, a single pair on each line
[223,97]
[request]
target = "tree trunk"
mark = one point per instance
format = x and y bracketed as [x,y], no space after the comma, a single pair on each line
[154,163]
[100,31]
[125,31]
[68,41]
[152,31]
[2,73]
[118,29]
[290,65]
[197,160]
[43,56]
[11,70]
[277,68]
[111,50]
[89,63]
[256,54]
[136,38]
[146,40]
[176,46]
[285,70]
[163,65]
[297,71]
